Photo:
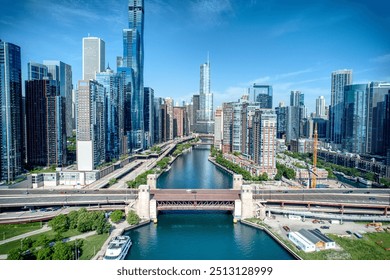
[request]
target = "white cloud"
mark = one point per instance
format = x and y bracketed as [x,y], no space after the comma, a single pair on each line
[211,12]
[381,59]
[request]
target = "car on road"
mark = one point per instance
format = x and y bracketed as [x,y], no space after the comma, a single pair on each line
[325,227]
[367,192]
[348,192]
[371,198]
[349,232]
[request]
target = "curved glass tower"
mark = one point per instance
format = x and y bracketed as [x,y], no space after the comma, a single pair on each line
[133,57]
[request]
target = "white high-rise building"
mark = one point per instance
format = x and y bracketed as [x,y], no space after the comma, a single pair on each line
[205,120]
[90,125]
[218,128]
[320,107]
[94,53]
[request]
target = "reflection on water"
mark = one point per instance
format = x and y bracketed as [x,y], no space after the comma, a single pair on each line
[193,170]
[202,236]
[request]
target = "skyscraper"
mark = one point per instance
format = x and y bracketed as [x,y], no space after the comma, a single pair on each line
[114,114]
[205,121]
[227,129]
[90,125]
[263,95]
[386,128]
[94,53]
[62,73]
[297,98]
[340,79]
[354,120]
[264,139]
[281,120]
[376,117]
[205,95]
[169,118]
[218,128]
[320,107]
[133,58]
[149,116]
[195,112]
[11,138]
[45,123]
[36,71]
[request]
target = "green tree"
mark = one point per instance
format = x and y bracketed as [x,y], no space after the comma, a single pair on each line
[132,218]
[45,253]
[15,254]
[112,181]
[59,223]
[116,216]
[84,222]
[62,251]
[42,241]
[289,173]
[73,219]
[99,221]
[26,244]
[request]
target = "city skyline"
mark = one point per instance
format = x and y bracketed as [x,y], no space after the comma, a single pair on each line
[295,48]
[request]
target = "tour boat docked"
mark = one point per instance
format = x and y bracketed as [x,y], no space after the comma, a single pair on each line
[118,248]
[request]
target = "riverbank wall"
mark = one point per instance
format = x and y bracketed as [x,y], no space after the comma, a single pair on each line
[123,227]
[212,160]
[276,238]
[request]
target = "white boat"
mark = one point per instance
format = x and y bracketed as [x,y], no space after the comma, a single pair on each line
[118,248]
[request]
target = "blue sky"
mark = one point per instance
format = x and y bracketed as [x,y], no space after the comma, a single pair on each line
[291,45]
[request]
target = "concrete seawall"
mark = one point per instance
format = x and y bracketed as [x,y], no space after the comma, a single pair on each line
[273,236]
[220,166]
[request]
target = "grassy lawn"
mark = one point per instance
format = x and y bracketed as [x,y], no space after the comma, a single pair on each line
[371,247]
[92,245]
[8,231]
[5,248]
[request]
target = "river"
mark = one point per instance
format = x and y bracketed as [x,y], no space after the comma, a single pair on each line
[191,235]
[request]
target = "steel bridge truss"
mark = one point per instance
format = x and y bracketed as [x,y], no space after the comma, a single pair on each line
[195,205]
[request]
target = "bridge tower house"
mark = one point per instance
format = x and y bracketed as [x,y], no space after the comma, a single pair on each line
[247,202]
[237,181]
[143,202]
[152,181]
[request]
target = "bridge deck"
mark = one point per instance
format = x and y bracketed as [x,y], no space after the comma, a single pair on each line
[195,195]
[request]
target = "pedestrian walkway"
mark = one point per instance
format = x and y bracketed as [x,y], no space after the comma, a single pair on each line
[45,228]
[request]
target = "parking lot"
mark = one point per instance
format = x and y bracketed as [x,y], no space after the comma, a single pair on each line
[279,221]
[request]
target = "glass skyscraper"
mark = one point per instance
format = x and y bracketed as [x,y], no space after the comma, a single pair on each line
[62,73]
[11,140]
[340,79]
[113,113]
[354,120]
[263,95]
[205,95]
[133,57]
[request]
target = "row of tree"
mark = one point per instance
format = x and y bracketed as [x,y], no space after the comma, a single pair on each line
[82,221]
[46,249]
[132,217]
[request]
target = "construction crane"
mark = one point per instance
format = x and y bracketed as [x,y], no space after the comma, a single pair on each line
[314,179]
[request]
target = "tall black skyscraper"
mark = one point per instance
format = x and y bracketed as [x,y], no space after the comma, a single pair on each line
[45,123]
